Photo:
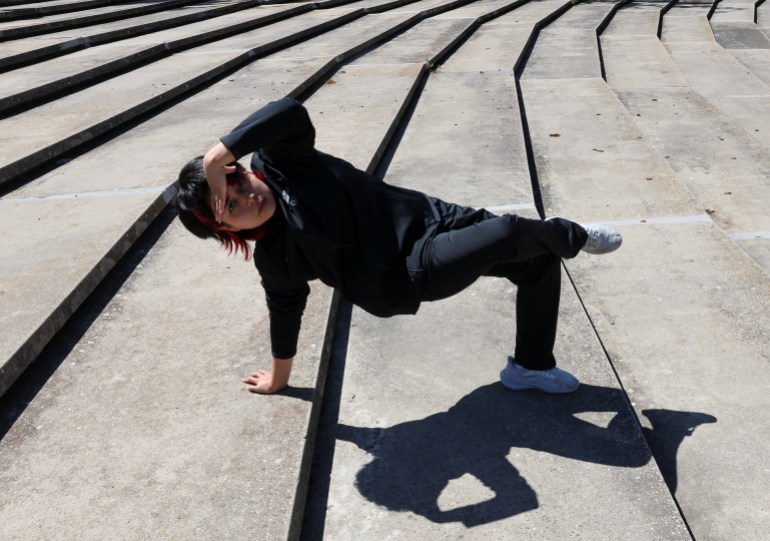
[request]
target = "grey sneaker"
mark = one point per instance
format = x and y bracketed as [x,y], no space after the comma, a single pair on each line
[555,380]
[601,239]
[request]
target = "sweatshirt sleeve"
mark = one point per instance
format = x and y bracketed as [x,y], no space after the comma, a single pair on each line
[286,304]
[280,127]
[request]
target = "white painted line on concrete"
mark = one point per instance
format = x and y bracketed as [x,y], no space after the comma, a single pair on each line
[168,193]
[663,220]
[750,235]
[506,208]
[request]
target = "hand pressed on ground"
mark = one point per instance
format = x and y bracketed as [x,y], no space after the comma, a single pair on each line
[269,382]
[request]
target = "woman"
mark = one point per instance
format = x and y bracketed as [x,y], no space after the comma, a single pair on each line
[385,248]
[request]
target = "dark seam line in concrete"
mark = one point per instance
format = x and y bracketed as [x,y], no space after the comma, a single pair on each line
[333,365]
[11,3]
[518,70]
[600,30]
[32,347]
[66,47]
[334,347]
[340,311]
[624,393]
[712,9]
[84,304]
[320,450]
[338,326]
[37,29]
[662,13]
[319,476]
[442,56]
[310,85]
[34,97]
[11,175]
[27,13]
[23,357]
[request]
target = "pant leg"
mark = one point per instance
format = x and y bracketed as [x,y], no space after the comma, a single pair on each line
[528,253]
[537,308]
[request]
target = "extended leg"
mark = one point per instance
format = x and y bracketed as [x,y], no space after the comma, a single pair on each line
[528,253]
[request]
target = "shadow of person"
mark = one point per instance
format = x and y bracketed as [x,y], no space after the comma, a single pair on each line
[414,461]
[669,429]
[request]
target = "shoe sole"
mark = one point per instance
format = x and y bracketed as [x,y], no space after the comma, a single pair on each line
[525,387]
[606,250]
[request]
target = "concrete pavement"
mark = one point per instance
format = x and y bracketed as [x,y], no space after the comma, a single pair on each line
[134,412]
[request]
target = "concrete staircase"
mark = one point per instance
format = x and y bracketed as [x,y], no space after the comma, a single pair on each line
[123,338]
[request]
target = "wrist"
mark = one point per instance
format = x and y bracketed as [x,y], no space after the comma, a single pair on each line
[217,156]
[281,370]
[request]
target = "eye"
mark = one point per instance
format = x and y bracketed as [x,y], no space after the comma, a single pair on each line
[231,206]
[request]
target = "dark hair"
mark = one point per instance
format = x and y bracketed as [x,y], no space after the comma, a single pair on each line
[192,206]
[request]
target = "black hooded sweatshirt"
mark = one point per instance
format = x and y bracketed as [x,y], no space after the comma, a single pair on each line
[333,222]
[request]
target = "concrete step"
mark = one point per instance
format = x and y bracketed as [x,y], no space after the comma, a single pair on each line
[144,490]
[144,420]
[763,18]
[74,121]
[449,445]
[19,29]
[43,80]
[84,115]
[138,191]
[716,74]
[736,31]
[24,51]
[683,276]
[155,495]
[35,9]
[429,445]
[572,36]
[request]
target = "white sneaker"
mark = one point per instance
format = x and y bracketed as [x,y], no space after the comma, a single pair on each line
[554,380]
[601,239]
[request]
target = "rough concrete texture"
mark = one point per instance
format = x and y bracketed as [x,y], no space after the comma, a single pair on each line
[78,112]
[22,23]
[580,129]
[725,82]
[141,431]
[94,57]
[146,433]
[179,133]
[733,11]
[705,303]
[574,36]
[689,291]
[429,445]
[29,44]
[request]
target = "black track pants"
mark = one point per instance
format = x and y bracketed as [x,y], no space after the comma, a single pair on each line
[474,243]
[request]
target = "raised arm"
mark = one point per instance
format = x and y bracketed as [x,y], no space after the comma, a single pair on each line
[281,129]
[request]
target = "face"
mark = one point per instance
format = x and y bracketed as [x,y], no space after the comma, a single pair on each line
[249,203]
